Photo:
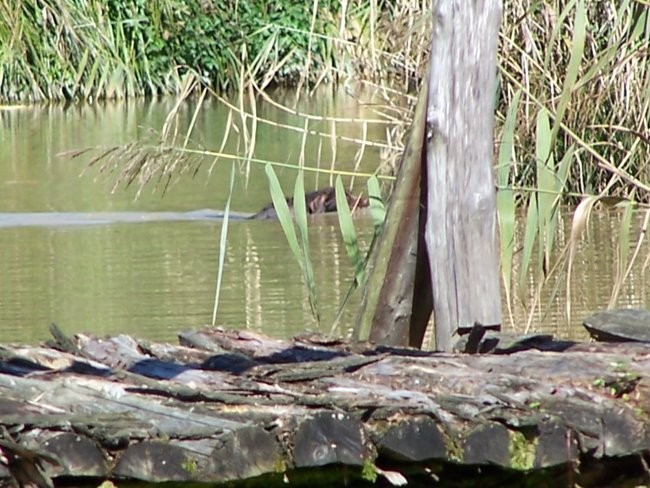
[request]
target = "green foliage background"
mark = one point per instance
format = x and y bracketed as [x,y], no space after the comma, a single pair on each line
[82,49]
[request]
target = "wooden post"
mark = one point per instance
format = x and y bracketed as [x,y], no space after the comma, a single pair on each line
[461,229]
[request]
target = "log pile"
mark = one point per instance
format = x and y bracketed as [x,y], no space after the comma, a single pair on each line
[228,406]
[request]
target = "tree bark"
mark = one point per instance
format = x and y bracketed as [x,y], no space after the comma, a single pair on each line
[461,233]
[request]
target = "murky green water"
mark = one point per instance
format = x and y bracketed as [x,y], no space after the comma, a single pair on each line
[155,279]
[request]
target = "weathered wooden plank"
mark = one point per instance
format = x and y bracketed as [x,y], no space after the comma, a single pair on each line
[620,325]
[396,303]
[347,406]
[246,453]
[155,461]
[461,230]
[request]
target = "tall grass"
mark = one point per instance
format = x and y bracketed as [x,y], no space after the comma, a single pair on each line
[566,65]
[223,245]
[54,50]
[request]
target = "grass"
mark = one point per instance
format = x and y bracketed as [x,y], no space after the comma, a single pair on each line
[70,50]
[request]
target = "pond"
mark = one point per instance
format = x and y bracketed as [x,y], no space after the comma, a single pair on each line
[154,279]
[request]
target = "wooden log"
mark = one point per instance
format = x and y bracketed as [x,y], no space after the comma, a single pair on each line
[461,231]
[127,409]
[327,438]
[154,461]
[414,439]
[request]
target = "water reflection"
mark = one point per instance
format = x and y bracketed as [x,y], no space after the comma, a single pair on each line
[568,296]
[155,279]
[158,278]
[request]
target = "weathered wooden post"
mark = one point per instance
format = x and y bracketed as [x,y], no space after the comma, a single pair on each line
[439,242]
[461,229]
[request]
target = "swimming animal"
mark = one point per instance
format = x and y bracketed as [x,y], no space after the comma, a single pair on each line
[319,201]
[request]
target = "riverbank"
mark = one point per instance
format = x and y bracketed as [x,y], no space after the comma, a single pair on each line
[228,406]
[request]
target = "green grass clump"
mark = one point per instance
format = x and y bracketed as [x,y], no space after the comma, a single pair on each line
[55,50]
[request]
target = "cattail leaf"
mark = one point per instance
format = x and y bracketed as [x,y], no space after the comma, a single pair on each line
[376,203]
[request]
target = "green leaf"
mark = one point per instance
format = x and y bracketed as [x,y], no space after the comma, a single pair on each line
[546,185]
[283,212]
[376,203]
[348,232]
[286,221]
[223,241]
[505,195]
[300,210]
[531,231]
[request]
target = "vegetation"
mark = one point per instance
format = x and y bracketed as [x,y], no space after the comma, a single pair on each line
[572,107]
[299,247]
[53,50]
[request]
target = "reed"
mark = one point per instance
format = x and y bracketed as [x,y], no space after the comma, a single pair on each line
[223,246]
[299,247]
[349,234]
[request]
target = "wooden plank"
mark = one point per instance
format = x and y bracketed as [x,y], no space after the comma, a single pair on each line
[98,415]
[461,230]
[620,325]
[396,306]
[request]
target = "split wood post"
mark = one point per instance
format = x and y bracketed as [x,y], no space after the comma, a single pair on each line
[461,225]
[396,303]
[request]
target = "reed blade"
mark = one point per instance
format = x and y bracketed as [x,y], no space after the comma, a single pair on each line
[300,210]
[286,221]
[223,245]
[623,251]
[546,185]
[376,204]
[349,233]
[530,232]
[506,198]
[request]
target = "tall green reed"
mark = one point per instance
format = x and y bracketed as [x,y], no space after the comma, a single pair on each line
[223,246]
[299,247]
[358,260]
